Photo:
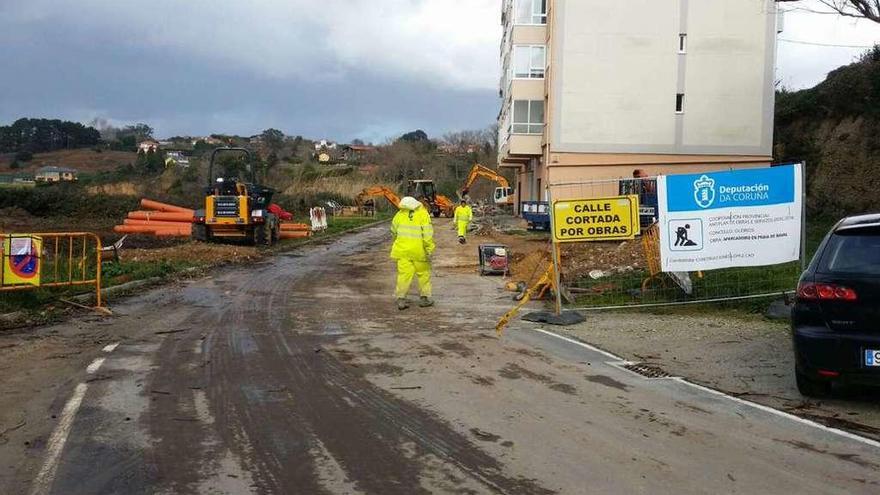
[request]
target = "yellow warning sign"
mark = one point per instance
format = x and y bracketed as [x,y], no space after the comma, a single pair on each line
[21,260]
[597,219]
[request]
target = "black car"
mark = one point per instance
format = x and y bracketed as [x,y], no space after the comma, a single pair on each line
[836,317]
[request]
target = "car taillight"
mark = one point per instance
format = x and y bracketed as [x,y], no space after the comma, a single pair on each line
[811,291]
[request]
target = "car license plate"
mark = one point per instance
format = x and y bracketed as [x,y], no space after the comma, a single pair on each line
[872,358]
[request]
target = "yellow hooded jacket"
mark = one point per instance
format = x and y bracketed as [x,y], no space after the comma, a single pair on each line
[412,231]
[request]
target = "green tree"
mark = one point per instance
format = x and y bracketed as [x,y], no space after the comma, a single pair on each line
[151,162]
[273,139]
[415,136]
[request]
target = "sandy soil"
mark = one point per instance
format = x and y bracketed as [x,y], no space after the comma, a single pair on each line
[746,356]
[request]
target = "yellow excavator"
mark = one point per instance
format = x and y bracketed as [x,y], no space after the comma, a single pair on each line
[366,196]
[422,190]
[503,194]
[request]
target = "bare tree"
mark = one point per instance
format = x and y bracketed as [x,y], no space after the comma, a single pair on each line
[865,9]
[860,9]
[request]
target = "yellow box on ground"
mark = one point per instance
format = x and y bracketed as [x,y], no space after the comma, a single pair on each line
[598,219]
[21,260]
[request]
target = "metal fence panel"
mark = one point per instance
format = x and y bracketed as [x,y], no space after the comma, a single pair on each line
[66,259]
[626,274]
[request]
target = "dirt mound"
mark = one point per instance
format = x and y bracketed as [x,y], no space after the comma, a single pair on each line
[117,189]
[578,260]
[528,267]
[194,252]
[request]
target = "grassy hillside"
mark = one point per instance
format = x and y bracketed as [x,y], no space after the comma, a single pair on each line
[835,127]
[84,160]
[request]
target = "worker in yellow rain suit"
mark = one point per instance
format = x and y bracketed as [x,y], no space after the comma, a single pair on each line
[463,216]
[413,247]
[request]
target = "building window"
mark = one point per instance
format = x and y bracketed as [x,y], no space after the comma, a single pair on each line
[530,12]
[682,43]
[529,61]
[679,103]
[528,117]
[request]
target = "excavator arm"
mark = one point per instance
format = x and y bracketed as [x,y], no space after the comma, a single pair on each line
[481,171]
[376,191]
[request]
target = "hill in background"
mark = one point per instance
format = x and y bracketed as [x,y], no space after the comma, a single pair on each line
[84,160]
[835,128]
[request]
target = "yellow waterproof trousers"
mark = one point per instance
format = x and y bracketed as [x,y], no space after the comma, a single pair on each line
[462,228]
[406,270]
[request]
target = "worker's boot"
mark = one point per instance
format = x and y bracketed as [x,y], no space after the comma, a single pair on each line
[402,304]
[461,239]
[426,302]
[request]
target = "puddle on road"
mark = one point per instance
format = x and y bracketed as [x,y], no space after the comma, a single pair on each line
[333,329]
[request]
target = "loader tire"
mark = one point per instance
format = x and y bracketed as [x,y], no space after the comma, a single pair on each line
[200,232]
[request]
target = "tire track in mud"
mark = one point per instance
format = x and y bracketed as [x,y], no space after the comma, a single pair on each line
[276,396]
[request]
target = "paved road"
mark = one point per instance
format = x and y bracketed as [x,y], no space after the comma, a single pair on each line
[299,376]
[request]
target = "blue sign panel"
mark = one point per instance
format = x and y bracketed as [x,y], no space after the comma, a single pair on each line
[738,188]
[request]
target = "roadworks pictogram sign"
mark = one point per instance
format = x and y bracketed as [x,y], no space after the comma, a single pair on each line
[21,260]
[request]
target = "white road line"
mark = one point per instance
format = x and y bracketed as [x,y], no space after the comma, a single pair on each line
[755,405]
[110,347]
[95,365]
[578,342]
[762,407]
[43,482]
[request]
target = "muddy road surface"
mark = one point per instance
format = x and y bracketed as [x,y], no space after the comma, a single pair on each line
[299,375]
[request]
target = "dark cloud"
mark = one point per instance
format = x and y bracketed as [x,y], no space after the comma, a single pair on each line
[55,68]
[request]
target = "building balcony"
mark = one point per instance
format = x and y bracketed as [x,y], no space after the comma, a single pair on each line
[520,148]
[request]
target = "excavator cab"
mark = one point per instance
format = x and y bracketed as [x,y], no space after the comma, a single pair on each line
[424,191]
[503,195]
[236,207]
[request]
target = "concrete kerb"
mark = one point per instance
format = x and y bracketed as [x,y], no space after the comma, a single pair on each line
[614,359]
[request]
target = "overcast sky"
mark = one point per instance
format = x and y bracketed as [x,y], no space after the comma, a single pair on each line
[338,69]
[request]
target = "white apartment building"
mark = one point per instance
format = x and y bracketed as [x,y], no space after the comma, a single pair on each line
[600,88]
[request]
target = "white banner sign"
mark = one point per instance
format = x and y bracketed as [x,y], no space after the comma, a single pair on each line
[749,217]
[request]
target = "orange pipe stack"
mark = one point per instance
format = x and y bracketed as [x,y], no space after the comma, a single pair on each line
[294,230]
[159,220]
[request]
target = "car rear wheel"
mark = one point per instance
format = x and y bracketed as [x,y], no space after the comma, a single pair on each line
[810,387]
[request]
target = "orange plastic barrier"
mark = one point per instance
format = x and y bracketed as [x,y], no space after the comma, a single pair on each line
[155,205]
[165,216]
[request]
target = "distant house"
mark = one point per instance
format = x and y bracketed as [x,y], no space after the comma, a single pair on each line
[7,180]
[457,149]
[355,152]
[209,140]
[147,145]
[324,145]
[176,159]
[55,174]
